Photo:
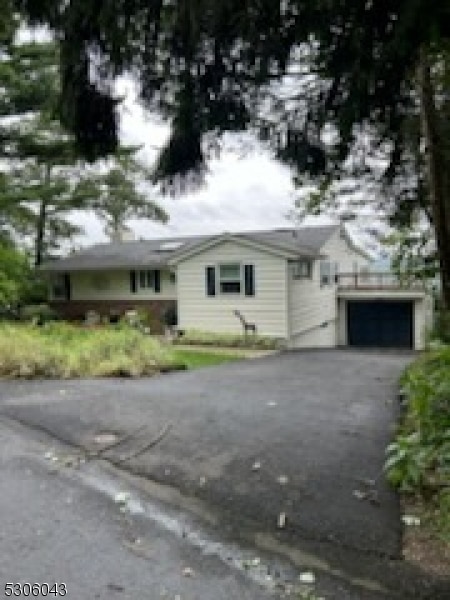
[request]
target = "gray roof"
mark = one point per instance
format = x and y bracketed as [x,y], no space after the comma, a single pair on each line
[305,241]
[301,240]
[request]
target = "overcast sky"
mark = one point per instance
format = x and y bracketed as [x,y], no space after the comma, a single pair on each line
[244,189]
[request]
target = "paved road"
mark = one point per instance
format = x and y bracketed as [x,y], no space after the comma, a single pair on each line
[301,434]
[56,528]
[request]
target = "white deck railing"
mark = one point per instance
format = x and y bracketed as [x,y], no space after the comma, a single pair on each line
[376,281]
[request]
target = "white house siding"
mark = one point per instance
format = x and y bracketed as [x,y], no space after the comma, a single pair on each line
[115,285]
[267,309]
[312,312]
[338,250]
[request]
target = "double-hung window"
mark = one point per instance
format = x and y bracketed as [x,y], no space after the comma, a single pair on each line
[302,269]
[328,272]
[230,277]
[145,280]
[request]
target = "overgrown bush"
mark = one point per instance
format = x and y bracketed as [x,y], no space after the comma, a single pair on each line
[19,282]
[62,350]
[441,330]
[38,313]
[143,319]
[227,340]
[418,461]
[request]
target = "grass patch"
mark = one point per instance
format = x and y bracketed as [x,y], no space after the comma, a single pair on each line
[60,350]
[418,461]
[194,359]
[228,340]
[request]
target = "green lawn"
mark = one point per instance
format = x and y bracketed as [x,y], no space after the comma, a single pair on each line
[194,359]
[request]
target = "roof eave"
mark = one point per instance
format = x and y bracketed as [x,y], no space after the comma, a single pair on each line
[239,239]
[60,267]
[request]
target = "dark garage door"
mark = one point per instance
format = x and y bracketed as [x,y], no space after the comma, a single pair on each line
[379,323]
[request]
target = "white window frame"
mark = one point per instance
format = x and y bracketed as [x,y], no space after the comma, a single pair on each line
[328,275]
[146,279]
[302,269]
[221,279]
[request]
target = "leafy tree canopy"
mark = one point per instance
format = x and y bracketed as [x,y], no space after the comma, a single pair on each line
[200,62]
[356,70]
[114,195]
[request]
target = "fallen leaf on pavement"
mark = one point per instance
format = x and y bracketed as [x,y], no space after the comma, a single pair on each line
[411,520]
[282,520]
[366,482]
[359,495]
[307,577]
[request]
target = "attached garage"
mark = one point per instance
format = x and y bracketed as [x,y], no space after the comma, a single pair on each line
[383,318]
[380,323]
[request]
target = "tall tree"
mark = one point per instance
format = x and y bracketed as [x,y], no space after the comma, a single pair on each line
[365,66]
[29,75]
[114,196]
[8,23]
[41,176]
[44,180]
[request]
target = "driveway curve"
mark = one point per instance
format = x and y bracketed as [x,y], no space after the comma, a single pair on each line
[301,433]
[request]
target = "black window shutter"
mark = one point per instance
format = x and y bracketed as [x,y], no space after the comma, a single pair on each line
[249,280]
[67,287]
[133,282]
[210,281]
[157,280]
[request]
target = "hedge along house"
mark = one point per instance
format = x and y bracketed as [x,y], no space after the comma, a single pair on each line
[310,287]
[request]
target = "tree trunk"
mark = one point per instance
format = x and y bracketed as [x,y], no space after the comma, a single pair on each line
[40,233]
[438,174]
[41,222]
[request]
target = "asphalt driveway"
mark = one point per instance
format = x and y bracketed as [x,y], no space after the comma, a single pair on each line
[302,433]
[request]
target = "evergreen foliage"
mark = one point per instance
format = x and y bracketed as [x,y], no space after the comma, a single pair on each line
[114,197]
[359,68]
[14,275]
[44,179]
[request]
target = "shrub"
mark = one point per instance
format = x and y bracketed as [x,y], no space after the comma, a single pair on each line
[228,340]
[38,313]
[62,350]
[419,459]
[441,330]
[24,354]
[143,319]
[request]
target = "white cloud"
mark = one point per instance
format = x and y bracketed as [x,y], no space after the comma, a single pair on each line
[244,189]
